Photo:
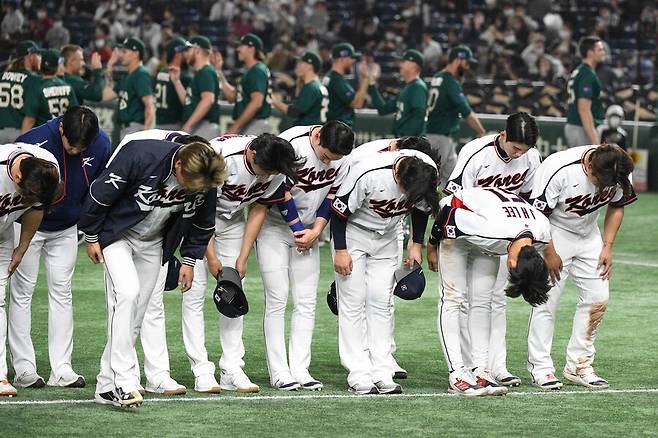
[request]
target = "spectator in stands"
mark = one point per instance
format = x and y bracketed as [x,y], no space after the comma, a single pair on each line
[544,70]
[432,52]
[281,55]
[41,24]
[151,34]
[74,70]
[100,43]
[222,10]
[611,131]
[301,13]
[534,51]
[242,24]
[13,21]
[319,19]
[58,36]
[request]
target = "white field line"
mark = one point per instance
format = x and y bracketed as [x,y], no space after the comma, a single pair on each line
[247,398]
[635,263]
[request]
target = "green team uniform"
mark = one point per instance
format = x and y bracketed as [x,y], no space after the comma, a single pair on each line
[310,107]
[341,95]
[92,91]
[445,105]
[584,83]
[257,78]
[204,80]
[409,107]
[13,86]
[131,89]
[50,98]
[168,109]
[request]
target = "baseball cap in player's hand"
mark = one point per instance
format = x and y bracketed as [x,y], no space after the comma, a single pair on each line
[134,44]
[25,48]
[344,50]
[413,56]
[462,52]
[201,41]
[410,282]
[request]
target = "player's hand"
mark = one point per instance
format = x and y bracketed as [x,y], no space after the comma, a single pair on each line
[174,73]
[113,59]
[95,62]
[605,262]
[215,267]
[16,258]
[185,278]
[433,257]
[305,239]
[414,254]
[217,60]
[186,128]
[95,253]
[375,72]
[343,262]
[231,130]
[553,263]
[362,68]
[241,266]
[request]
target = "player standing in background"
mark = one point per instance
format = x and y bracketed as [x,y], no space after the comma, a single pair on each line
[74,69]
[342,98]
[310,106]
[372,199]
[585,110]
[252,96]
[256,169]
[82,150]
[29,179]
[291,263]
[475,227]
[152,195]
[51,97]
[20,76]
[507,160]
[410,104]
[446,104]
[570,187]
[135,90]
[169,95]
[201,111]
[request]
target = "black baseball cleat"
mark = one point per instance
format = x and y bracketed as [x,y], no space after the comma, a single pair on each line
[131,399]
[79,383]
[400,375]
[107,398]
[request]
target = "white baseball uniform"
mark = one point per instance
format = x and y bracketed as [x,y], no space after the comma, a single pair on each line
[11,209]
[563,191]
[371,202]
[241,188]
[478,225]
[285,269]
[484,163]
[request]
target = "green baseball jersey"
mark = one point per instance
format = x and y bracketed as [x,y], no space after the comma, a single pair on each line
[409,107]
[131,89]
[168,108]
[341,95]
[204,80]
[92,90]
[584,83]
[13,86]
[257,78]
[49,98]
[310,107]
[446,104]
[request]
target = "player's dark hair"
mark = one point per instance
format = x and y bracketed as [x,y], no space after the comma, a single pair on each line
[39,182]
[611,165]
[522,128]
[276,154]
[80,126]
[68,50]
[419,181]
[529,278]
[337,137]
[586,44]
[420,144]
[188,138]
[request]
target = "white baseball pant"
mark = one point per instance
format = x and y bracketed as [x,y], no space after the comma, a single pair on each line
[364,297]
[580,257]
[284,269]
[228,241]
[6,250]
[59,250]
[498,331]
[131,272]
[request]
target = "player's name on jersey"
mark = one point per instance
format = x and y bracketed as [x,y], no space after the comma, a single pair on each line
[14,76]
[57,91]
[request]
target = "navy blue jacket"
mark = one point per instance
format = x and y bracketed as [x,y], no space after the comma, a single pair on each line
[77,171]
[127,190]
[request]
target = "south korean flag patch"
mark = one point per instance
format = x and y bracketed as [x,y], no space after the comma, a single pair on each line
[539,205]
[453,187]
[450,232]
[339,206]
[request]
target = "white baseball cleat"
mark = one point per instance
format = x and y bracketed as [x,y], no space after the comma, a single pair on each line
[207,383]
[238,382]
[463,383]
[167,387]
[549,381]
[6,389]
[308,382]
[283,385]
[589,379]
[361,389]
[389,387]
[29,380]
[508,379]
[68,380]
[485,379]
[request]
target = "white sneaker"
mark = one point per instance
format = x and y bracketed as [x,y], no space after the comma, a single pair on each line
[207,383]
[283,385]
[6,390]
[167,387]
[29,380]
[548,381]
[389,387]
[68,380]
[463,383]
[363,389]
[485,379]
[588,379]
[238,382]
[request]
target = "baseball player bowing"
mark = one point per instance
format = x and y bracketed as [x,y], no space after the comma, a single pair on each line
[82,150]
[507,160]
[368,207]
[151,195]
[475,227]
[29,185]
[256,169]
[570,188]
[292,262]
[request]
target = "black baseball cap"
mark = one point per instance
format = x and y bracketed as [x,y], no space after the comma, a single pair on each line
[50,59]
[135,44]
[311,58]
[410,282]
[413,56]
[201,41]
[177,45]
[251,40]
[342,50]
[25,48]
[462,52]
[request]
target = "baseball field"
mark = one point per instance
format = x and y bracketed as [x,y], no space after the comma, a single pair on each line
[627,355]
